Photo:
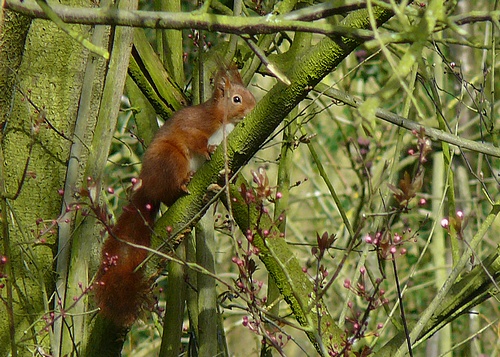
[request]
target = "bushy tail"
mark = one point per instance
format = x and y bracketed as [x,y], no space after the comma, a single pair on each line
[121,287]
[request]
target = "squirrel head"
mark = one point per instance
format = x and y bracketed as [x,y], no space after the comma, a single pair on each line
[231,95]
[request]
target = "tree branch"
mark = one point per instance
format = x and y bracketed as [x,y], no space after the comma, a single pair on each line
[475,16]
[323,10]
[180,20]
[248,136]
[433,133]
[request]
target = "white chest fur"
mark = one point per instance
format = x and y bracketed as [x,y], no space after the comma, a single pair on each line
[218,136]
[198,160]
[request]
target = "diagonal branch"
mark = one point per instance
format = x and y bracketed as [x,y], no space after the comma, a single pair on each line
[433,133]
[248,137]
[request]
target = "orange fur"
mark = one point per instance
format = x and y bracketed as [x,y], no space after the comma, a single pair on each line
[121,291]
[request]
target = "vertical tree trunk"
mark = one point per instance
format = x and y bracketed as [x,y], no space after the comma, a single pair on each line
[41,71]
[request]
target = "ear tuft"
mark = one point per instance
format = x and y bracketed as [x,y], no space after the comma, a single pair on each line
[226,77]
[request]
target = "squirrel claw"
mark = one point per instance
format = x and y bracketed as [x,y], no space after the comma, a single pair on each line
[211,149]
[185,189]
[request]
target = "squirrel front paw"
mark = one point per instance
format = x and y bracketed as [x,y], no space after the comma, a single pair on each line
[210,150]
[186,182]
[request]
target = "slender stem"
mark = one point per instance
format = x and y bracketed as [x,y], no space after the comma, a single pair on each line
[8,268]
[328,183]
[401,307]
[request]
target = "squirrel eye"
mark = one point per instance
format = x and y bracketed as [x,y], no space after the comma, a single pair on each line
[237,99]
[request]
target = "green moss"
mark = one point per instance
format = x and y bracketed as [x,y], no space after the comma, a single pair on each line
[49,74]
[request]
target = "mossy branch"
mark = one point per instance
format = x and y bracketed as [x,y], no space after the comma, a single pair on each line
[105,339]
[154,81]
[474,288]
[293,284]
[246,140]
[51,14]
[247,137]
[185,20]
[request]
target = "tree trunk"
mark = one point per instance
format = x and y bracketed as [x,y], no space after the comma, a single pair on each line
[41,71]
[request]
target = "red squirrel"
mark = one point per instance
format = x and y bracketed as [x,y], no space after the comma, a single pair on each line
[180,145]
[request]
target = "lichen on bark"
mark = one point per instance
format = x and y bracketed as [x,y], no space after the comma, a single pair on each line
[44,70]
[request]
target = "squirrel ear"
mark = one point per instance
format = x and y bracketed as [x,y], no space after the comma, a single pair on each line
[222,84]
[227,76]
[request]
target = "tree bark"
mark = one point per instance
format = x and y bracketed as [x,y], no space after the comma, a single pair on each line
[41,71]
